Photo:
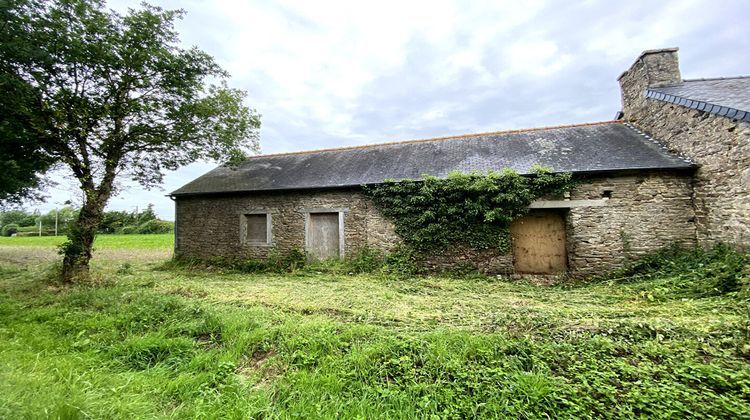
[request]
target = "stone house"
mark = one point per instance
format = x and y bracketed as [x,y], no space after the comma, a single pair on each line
[674,167]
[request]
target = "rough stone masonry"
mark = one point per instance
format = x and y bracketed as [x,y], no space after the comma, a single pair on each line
[644,212]
[718,144]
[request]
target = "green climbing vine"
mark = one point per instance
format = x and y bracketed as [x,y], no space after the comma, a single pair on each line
[463,209]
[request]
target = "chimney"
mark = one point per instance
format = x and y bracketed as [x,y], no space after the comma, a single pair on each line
[652,68]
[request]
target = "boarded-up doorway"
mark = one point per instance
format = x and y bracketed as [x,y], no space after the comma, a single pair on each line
[323,239]
[539,243]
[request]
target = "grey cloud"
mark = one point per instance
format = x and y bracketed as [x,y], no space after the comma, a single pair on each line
[602,40]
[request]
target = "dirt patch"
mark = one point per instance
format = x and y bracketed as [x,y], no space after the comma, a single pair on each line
[261,366]
[208,341]
[188,292]
[28,255]
[540,279]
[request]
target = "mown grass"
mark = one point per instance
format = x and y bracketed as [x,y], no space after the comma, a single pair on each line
[155,342]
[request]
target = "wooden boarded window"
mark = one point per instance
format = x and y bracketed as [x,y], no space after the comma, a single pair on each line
[539,243]
[256,229]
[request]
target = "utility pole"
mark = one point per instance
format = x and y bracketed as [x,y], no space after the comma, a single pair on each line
[40,227]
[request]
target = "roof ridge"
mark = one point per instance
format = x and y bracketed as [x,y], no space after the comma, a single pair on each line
[442,138]
[708,79]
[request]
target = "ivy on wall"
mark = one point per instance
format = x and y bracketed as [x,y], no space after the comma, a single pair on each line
[463,209]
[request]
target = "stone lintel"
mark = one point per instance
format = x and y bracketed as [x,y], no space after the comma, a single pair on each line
[567,204]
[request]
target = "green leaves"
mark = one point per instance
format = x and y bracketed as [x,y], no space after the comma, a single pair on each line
[117,94]
[463,209]
[110,96]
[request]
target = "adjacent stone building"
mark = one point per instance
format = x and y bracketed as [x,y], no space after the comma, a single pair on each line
[707,120]
[675,168]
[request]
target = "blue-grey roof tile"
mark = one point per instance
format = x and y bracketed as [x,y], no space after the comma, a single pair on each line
[718,96]
[610,146]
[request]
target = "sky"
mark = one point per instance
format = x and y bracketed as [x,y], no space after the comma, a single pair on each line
[327,74]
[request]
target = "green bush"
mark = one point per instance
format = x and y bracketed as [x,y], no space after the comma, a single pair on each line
[17,217]
[678,272]
[365,260]
[33,229]
[128,230]
[155,226]
[403,261]
[278,262]
[10,229]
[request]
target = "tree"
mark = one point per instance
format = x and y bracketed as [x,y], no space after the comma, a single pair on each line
[146,215]
[23,159]
[17,217]
[64,217]
[116,96]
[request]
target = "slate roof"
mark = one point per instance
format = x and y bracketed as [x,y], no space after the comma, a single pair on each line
[584,148]
[728,97]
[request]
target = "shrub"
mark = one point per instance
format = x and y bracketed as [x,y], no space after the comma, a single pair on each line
[128,230]
[365,260]
[402,261]
[10,229]
[690,272]
[155,226]
[292,260]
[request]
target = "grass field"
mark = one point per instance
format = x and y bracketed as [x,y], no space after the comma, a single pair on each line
[108,249]
[157,241]
[150,340]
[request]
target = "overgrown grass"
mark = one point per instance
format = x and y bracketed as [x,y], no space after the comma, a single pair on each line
[399,262]
[688,273]
[194,343]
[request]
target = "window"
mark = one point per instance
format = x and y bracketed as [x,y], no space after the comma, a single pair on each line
[255,228]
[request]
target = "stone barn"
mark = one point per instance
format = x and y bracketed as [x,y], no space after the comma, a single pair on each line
[673,168]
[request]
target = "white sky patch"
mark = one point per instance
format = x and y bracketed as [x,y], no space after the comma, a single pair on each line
[326,74]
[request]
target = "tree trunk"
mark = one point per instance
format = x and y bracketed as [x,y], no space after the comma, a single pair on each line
[78,250]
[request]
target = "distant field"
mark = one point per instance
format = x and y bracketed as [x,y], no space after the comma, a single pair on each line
[157,241]
[107,248]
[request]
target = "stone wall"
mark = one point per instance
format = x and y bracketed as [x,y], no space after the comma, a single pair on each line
[207,226]
[645,212]
[719,145]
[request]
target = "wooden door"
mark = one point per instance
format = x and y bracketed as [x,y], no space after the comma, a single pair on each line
[323,235]
[539,243]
